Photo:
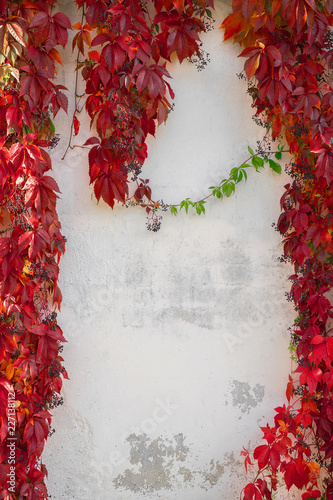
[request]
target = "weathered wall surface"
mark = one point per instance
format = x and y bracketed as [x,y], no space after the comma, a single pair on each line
[177,340]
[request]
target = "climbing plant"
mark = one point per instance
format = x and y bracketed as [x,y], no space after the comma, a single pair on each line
[288,46]
[127,88]
[124,46]
[289,53]
[127,93]
[31,242]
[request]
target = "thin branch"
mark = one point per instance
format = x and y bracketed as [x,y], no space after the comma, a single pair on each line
[75,96]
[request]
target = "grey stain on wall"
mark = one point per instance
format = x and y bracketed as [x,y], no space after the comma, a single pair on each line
[164,464]
[212,474]
[244,397]
[153,462]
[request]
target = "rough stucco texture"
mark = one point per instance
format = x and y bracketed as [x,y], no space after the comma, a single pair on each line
[177,340]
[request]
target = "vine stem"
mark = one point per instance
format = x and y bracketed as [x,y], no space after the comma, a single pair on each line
[69,146]
[155,205]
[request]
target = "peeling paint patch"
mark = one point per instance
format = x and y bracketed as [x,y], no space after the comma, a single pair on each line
[167,464]
[215,471]
[153,462]
[212,475]
[244,397]
[187,474]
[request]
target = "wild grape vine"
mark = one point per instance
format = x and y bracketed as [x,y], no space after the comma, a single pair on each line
[289,56]
[31,242]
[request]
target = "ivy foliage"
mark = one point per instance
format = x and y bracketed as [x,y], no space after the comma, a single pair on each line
[288,51]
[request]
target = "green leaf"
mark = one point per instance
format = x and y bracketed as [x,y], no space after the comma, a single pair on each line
[275,166]
[217,193]
[200,208]
[244,173]
[240,176]
[234,173]
[257,162]
[250,151]
[184,204]
[245,165]
[228,188]
[173,210]
[278,155]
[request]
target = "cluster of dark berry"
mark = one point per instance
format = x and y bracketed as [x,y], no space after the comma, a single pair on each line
[328,40]
[241,76]
[259,121]
[14,204]
[304,319]
[15,354]
[303,362]
[308,266]
[283,259]
[55,369]
[122,144]
[122,116]
[201,59]
[264,147]
[51,431]
[278,35]
[37,270]
[12,137]
[132,166]
[154,222]
[299,129]
[53,141]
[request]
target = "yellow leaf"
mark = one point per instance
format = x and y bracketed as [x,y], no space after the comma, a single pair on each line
[9,372]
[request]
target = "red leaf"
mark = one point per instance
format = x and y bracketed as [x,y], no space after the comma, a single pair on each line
[139,49]
[290,389]
[247,460]
[47,350]
[35,433]
[114,54]
[179,4]
[184,40]
[324,166]
[295,473]
[94,55]
[150,77]
[311,495]
[248,6]
[111,186]
[92,140]
[261,453]
[16,31]
[76,124]
[251,492]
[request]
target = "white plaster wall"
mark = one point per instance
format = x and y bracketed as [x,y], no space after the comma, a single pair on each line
[177,340]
